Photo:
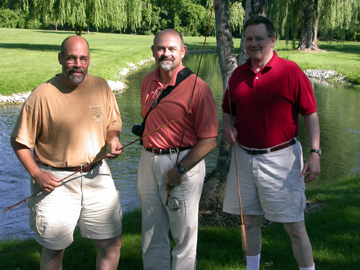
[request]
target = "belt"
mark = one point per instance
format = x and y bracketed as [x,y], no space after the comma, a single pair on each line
[273,149]
[159,151]
[83,168]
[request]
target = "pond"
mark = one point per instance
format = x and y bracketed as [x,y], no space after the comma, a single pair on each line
[339,114]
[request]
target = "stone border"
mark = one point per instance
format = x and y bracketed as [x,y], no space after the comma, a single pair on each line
[119,86]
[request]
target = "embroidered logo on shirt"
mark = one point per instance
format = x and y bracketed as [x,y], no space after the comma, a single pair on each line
[96,110]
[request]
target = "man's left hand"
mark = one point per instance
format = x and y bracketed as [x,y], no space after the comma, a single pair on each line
[115,149]
[173,179]
[311,167]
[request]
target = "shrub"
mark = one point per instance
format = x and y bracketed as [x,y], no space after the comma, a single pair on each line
[8,18]
[33,24]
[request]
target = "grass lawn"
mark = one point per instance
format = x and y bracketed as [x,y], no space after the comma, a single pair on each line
[333,229]
[29,57]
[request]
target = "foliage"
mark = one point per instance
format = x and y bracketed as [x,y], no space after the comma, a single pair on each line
[8,18]
[237,17]
[190,17]
[331,18]
[82,13]
[339,18]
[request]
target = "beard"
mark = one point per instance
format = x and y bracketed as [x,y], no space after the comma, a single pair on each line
[167,66]
[75,79]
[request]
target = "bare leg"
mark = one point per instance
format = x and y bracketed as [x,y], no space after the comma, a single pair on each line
[51,259]
[108,254]
[253,234]
[300,243]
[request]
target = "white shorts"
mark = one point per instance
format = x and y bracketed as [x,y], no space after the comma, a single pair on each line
[269,183]
[88,199]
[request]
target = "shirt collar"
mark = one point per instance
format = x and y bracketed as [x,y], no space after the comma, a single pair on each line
[156,76]
[273,61]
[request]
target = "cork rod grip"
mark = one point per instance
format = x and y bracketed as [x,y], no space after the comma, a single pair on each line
[243,238]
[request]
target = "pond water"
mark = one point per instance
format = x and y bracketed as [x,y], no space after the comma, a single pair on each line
[338,110]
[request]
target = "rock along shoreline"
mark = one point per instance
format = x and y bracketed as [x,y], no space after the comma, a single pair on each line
[318,75]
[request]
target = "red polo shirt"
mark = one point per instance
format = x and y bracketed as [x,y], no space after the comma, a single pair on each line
[202,123]
[267,104]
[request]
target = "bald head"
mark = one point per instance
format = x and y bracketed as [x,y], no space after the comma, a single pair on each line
[70,41]
[169,33]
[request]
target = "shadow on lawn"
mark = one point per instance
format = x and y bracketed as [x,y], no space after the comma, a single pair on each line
[33,47]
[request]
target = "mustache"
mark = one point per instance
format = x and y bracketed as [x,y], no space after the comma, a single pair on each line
[77,70]
[162,58]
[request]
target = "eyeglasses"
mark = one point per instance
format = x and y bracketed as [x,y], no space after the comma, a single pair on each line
[72,59]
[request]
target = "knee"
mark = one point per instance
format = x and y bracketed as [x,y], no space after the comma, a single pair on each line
[113,244]
[252,222]
[296,230]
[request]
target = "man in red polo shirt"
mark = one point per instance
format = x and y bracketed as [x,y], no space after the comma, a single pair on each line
[267,95]
[158,173]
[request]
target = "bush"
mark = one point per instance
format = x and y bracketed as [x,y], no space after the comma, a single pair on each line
[23,17]
[8,18]
[33,24]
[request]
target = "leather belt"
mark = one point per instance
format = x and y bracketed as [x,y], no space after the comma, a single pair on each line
[273,149]
[84,168]
[159,151]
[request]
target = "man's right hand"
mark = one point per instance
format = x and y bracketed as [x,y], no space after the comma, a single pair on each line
[46,181]
[230,134]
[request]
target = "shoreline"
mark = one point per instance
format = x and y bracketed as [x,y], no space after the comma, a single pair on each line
[327,77]
[116,86]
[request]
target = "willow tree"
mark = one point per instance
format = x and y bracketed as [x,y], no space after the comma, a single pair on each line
[118,14]
[302,19]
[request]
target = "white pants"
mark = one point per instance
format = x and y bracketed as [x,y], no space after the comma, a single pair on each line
[157,218]
[269,183]
[88,199]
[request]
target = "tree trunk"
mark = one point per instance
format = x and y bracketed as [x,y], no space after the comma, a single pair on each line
[78,30]
[215,183]
[214,187]
[314,45]
[315,31]
[306,34]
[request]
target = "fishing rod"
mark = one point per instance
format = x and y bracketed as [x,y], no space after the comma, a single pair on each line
[190,102]
[243,232]
[86,166]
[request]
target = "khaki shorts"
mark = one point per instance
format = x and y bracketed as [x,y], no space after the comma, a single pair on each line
[87,199]
[270,184]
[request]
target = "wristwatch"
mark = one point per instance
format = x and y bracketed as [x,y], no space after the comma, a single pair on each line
[181,168]
[316,151]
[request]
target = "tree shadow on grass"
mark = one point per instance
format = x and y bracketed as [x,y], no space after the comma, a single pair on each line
[30,47]
[34,47]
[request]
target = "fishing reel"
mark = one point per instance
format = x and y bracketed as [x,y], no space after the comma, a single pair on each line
[172,203]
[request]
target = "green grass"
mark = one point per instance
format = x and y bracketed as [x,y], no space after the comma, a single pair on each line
[333,229]
[29,57]
[344,57]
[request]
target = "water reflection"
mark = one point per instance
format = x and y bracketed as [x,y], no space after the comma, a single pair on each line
[340,139]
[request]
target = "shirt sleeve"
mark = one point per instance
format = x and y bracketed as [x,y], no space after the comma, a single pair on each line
[27,126]
[114,118]
[206,121]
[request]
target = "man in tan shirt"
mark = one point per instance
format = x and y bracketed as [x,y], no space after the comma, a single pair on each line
[68,121]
